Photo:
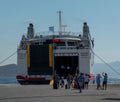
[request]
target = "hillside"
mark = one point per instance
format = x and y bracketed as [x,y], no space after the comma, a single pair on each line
[8,70]
[11,69]
[113,69]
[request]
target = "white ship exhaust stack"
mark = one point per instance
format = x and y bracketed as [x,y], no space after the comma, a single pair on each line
[30,33]
[85,31]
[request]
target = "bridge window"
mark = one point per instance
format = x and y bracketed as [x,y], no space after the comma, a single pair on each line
[60,44]
[71,43]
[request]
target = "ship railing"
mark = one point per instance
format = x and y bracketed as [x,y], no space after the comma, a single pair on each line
[66,47]
[57,33]
[71,47]
[48,33]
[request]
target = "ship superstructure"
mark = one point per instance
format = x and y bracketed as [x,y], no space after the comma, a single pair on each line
[40,56]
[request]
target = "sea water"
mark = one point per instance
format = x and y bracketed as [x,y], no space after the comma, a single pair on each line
[8,80]
[12,80]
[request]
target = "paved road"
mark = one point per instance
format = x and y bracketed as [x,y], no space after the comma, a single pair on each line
[45,93]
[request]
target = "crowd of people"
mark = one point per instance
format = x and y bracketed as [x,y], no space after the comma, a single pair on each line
[80,81]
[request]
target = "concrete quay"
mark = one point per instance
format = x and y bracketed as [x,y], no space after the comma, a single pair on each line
[45,93]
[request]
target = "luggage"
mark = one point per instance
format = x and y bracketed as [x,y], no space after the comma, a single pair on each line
[55,86]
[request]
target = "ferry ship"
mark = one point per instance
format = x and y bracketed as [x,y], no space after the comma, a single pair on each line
[39,56]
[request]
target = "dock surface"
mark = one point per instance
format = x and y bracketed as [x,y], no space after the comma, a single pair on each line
[45,93]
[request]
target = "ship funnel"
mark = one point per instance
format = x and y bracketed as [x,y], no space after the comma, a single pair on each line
[85,31]
[30,33]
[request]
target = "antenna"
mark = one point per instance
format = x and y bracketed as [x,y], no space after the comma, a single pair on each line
[64,26]
[60,23]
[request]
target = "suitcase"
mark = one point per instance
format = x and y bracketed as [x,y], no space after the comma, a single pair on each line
[55,86]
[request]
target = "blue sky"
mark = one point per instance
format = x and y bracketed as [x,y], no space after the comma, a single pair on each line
[102,16]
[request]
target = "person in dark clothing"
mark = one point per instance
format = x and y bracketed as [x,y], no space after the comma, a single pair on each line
[105,77]
[81,81]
